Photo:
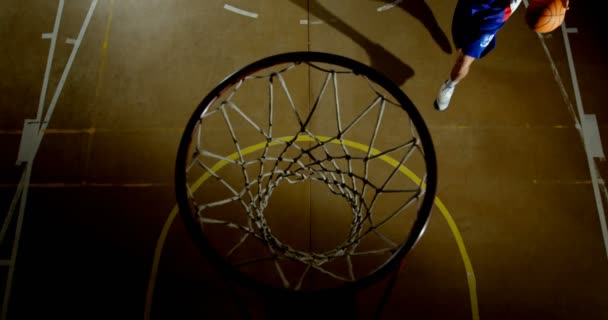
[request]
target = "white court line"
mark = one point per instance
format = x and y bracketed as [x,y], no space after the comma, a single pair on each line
[13,259]
[240,11]
[306,21]
[560,83]
[67,70]
[579,121]
[577,94]
[49,60]
[27,145]
[28,166]
[598,200]
[389,6]
[591,131]
[587,144]
[21,192]
[603,187]
[11,209]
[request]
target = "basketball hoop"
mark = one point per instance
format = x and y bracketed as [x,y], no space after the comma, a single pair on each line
[315,129]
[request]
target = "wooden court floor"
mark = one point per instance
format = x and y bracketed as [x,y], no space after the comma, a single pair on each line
[517,229]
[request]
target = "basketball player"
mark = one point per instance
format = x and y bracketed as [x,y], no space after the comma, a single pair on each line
[474,27]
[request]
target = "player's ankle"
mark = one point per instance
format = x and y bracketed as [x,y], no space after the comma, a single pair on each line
[450,83]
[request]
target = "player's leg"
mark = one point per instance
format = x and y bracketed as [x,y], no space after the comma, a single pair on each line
[464,33]
[459,71]
[461,67]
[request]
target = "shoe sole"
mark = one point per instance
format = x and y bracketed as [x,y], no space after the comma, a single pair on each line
[437,106]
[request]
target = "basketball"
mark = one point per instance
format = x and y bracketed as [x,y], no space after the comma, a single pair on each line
[544,16]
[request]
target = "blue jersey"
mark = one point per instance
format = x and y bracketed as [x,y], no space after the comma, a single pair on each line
[476,23]
[492,14]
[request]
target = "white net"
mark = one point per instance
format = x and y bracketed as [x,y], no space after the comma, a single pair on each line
[305,175]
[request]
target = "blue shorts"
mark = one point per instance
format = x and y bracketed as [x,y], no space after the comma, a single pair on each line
[474,26]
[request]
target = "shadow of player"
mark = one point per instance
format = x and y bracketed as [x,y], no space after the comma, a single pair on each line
[381,59]
[422,12]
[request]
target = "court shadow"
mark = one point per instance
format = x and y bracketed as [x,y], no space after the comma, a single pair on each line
[423,13]
[382,60]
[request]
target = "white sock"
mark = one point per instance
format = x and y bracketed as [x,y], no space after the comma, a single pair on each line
[451,83]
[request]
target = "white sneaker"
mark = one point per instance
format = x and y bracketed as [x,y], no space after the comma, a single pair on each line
[443,98]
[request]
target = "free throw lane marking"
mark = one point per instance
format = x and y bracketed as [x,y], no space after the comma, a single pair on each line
[591,132]
[36,142]
[49,61]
